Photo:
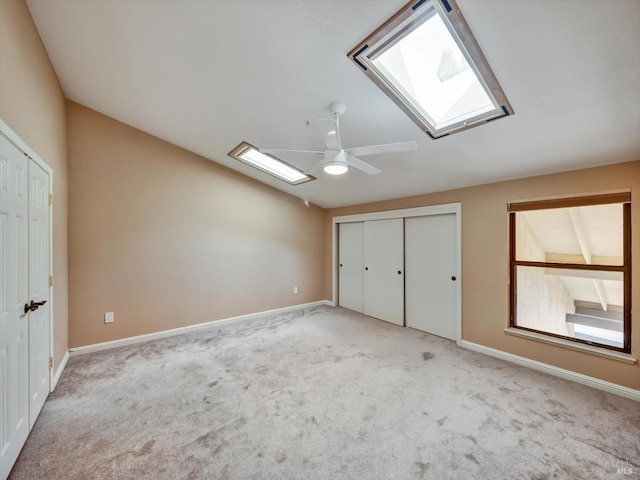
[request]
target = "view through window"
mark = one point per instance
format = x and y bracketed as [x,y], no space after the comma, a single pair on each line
[571,268]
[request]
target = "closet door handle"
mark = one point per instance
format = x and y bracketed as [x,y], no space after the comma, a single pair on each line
[454,278]
[340,264]
[399,272]
[366,268]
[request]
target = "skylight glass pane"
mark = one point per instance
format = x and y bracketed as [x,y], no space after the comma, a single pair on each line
[429,68]
[250,155]
[273,165]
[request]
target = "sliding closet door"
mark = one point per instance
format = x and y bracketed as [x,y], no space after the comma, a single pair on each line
[384,270]
[431,292]
[351,266]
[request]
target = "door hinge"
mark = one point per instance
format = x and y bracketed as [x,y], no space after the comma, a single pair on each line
[50,280]
[50,199]
[50,362]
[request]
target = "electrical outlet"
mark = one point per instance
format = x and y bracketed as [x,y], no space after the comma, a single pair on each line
[295,290]
[108,317]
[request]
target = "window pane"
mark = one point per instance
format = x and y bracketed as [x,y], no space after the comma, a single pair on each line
[573,303]
[591,235]
[599,335]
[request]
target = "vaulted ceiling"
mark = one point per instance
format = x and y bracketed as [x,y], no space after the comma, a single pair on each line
[206,75]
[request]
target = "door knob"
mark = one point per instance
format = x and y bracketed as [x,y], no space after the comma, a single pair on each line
[340,264]
[453,278]
[33,306]
[399,272]
[366,268]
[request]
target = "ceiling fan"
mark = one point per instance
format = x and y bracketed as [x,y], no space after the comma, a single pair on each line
[336,160]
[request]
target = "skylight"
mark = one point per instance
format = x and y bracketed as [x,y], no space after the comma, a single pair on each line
[426,59]
[250,155]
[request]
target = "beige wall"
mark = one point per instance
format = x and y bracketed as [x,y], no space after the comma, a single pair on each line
[485,261]
[32,104]
[165,238]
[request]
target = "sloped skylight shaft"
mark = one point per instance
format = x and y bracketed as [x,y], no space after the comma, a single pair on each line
[428,62]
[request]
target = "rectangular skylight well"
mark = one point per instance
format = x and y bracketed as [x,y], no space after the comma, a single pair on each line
[426,59]
[250,155]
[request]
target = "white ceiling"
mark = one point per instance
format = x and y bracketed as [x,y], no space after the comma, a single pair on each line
[206,75]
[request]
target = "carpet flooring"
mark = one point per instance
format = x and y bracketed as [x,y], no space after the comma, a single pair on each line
[322,393]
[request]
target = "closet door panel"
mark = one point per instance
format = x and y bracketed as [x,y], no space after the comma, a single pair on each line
[431,293]
[351,266]
[384,270]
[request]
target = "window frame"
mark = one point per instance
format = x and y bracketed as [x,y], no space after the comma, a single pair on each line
[623,198]
[395,28]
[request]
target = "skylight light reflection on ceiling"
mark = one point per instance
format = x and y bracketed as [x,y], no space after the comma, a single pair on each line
[431,70]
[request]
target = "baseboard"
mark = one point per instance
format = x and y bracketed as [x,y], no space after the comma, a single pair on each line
[555,371]
[59,371]
[96,347]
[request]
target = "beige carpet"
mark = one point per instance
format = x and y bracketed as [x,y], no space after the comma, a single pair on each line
[322,394]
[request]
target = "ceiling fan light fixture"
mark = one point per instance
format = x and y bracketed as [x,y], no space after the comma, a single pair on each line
[335,168]
[335,162]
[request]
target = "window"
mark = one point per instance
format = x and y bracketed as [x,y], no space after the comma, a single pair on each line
[426,59]
[570,269]
[250,155]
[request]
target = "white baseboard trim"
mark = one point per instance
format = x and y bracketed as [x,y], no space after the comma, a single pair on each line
[555,371]
[59,371]
[96,347]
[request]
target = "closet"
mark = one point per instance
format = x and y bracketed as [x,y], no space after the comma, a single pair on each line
[403,270]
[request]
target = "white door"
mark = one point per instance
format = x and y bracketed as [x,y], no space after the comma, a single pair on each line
[351,266]
[39,237]
[24,298]
[14,292]
[384,270]
[431,274]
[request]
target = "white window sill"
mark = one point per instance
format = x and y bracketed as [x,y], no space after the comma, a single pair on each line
[603,352]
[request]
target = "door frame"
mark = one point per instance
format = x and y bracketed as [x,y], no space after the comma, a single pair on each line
[22,145]
[448,208]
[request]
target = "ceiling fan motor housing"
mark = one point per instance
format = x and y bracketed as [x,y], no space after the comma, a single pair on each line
[337,108]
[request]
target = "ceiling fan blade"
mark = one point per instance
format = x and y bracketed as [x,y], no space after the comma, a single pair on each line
[386,148]
[331,133]
[276,151]
[360,165]
[313,168]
